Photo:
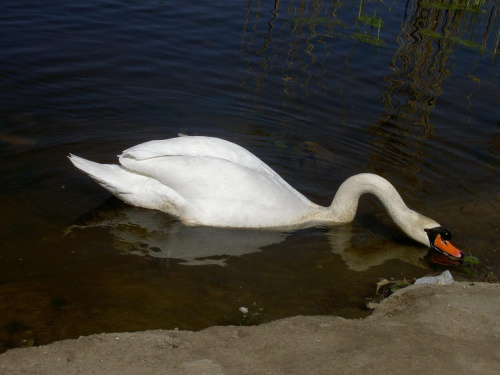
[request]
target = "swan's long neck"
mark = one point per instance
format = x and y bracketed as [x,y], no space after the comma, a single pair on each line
[345,203]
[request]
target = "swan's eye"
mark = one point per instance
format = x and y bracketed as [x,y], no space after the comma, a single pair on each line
[445,235]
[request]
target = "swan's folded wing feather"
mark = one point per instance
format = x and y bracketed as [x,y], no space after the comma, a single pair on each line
[197,146]
[199,176]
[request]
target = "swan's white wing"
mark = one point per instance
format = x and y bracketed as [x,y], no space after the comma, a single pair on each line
[224,193]
[197,146]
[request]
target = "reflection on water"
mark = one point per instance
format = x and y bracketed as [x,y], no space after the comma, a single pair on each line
[318,90]
[419,69]
[155,234]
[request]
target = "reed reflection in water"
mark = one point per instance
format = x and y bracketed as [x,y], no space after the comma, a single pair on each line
[312,50]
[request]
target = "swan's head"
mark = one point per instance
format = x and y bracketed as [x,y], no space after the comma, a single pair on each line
[430,233]
[439,239]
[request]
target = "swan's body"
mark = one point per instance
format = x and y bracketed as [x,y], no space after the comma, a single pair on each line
[213,182]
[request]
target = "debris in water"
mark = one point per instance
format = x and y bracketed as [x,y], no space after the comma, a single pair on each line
[385,287]
[469,260]
[443,279]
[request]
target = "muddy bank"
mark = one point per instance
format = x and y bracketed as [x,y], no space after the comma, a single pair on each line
[452,329]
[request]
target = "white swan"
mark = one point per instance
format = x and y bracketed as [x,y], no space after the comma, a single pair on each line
[213,182]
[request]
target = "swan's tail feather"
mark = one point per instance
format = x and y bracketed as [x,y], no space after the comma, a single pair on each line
[132,188]
[109,176]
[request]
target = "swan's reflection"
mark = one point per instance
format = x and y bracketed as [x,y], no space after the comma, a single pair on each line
[153,233]
[364,250]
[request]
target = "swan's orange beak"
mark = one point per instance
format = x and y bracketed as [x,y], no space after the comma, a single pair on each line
[447,248]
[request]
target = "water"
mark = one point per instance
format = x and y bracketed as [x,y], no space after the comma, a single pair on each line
[319,91]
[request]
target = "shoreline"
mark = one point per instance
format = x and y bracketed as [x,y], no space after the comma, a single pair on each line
[427,328]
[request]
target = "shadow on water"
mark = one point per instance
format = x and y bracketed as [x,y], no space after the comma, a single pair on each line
[318,90]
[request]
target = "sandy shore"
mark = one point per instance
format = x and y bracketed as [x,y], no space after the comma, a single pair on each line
[423,329]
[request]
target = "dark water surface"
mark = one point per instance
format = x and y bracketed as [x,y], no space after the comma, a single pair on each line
[318,90]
